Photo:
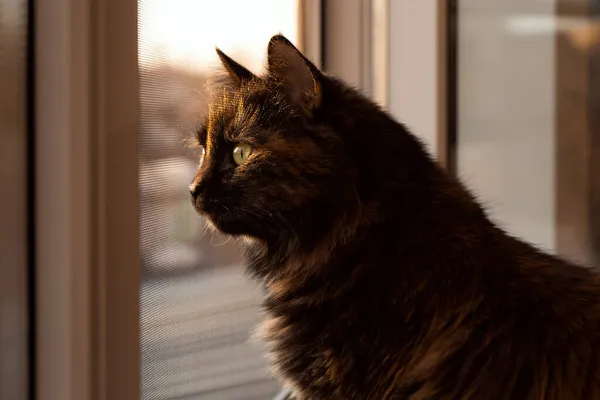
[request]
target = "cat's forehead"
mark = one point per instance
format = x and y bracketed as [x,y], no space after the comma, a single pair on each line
[249,95]
[244,110]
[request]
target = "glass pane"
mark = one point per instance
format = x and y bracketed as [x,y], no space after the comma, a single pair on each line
[198,310]
[527,96]
[14,211]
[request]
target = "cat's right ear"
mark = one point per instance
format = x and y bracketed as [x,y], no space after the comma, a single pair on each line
[237,72]
[296,74]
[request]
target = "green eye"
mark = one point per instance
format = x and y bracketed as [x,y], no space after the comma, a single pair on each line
[241,152]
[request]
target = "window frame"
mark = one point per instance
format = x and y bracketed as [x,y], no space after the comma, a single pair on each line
[87,269]
[577,147]
[16,211]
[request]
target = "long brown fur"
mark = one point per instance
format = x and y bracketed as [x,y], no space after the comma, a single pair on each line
[384,277]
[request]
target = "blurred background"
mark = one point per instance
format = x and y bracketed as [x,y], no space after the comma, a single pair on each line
[109,286]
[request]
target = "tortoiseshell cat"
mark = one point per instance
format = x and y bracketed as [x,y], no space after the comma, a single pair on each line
[385,279]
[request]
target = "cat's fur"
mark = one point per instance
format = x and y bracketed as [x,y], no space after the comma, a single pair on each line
[385,278]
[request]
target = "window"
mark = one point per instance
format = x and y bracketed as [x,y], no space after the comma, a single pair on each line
[528,132]
[105,141]
[198,309]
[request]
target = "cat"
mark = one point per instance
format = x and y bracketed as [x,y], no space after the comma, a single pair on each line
[384,277]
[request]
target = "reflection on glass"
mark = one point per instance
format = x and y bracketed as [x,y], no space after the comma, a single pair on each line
[198,310]
[526,91]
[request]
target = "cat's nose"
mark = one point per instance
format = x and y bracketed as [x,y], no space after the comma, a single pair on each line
[196,188]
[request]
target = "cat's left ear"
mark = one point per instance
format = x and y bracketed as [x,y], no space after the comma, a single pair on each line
[299,77]
[238,73]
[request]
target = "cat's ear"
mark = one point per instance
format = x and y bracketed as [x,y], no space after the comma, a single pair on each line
[299,77]
[237,72]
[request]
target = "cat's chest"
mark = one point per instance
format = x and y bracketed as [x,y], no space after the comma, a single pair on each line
[335,351]
[298,355]
[310,356]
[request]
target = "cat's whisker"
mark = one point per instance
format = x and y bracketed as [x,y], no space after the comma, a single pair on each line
[227,239]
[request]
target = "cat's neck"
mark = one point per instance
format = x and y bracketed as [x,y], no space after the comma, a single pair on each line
[390,160]
[335,265]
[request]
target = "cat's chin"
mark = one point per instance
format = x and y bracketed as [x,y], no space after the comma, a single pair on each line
[230,227]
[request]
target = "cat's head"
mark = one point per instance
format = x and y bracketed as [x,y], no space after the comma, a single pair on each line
[270,168]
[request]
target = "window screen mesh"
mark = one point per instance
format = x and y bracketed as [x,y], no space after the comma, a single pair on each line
[198,310]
